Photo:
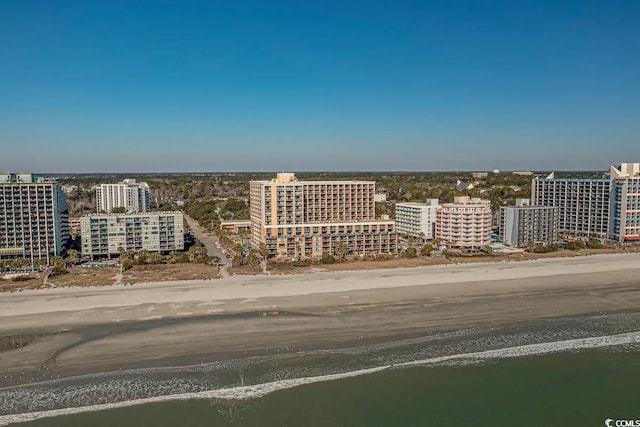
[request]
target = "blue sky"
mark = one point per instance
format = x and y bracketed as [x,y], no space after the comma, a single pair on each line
[143,86]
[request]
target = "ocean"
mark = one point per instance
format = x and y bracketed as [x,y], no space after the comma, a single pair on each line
[560,372]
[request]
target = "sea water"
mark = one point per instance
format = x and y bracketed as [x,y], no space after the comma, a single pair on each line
[578,371]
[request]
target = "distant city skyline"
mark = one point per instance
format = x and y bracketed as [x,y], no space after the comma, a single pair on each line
[198,86]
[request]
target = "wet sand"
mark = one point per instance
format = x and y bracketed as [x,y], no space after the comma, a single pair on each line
[84,330]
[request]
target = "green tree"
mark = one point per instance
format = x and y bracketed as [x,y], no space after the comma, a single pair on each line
[56,260]
[410,252]
[142,257]
[20,263]
[59,267]
[263,251]
[156,258]
[594,243]
[73,256]
[172,254]
[426,250]
[197,253]
[328,259]
[341,249]
[575,246]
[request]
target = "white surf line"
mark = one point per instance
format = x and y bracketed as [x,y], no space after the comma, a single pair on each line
[260,390]
[536,349]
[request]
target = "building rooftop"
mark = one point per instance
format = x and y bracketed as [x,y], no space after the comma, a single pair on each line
[625,170]
[417,204]
[23,178]
[290,178]
[95,215]
[529,207]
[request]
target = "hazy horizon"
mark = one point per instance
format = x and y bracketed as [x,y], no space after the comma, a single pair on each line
[351,172]
[333,86]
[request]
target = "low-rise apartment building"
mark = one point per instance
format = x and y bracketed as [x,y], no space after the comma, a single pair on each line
[104,235]
[465,223]
[524,225]
[309,219]
[235,227]
[380,197]
[417,220]
[34,218]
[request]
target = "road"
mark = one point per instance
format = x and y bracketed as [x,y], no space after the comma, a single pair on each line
[210,242]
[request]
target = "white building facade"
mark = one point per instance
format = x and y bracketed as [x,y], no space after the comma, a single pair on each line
[103,235]
[130,195]
[625,202]
[583,204]
[417,220]
[380,197]
[605,208]
[34,218]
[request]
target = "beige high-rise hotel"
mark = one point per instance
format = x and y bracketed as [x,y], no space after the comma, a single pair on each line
[307,219]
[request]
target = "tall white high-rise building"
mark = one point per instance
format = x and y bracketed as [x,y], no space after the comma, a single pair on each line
[583,204]
[417,219]
[129,195]
[625,202]
[34,218]
[607,207]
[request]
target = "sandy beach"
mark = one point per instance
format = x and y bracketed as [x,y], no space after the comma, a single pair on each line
[69,331]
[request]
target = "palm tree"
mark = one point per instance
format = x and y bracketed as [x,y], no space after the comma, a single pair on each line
[19,263]
[56,261]
[143,256]
[156,258]
[341,249]
[263,250]
[73,256]
[197,253]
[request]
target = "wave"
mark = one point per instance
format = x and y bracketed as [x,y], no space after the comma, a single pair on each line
[260,390]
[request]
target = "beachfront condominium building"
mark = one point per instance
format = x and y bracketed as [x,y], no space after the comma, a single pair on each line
[34,218]
[583,204]
[606,207]
[129,195]
[625,202]
[104,235]
[307,219]
[417,220]
[524,225]
[465,223]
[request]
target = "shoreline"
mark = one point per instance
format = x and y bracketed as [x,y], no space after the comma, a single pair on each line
[89,330]
[260,389]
